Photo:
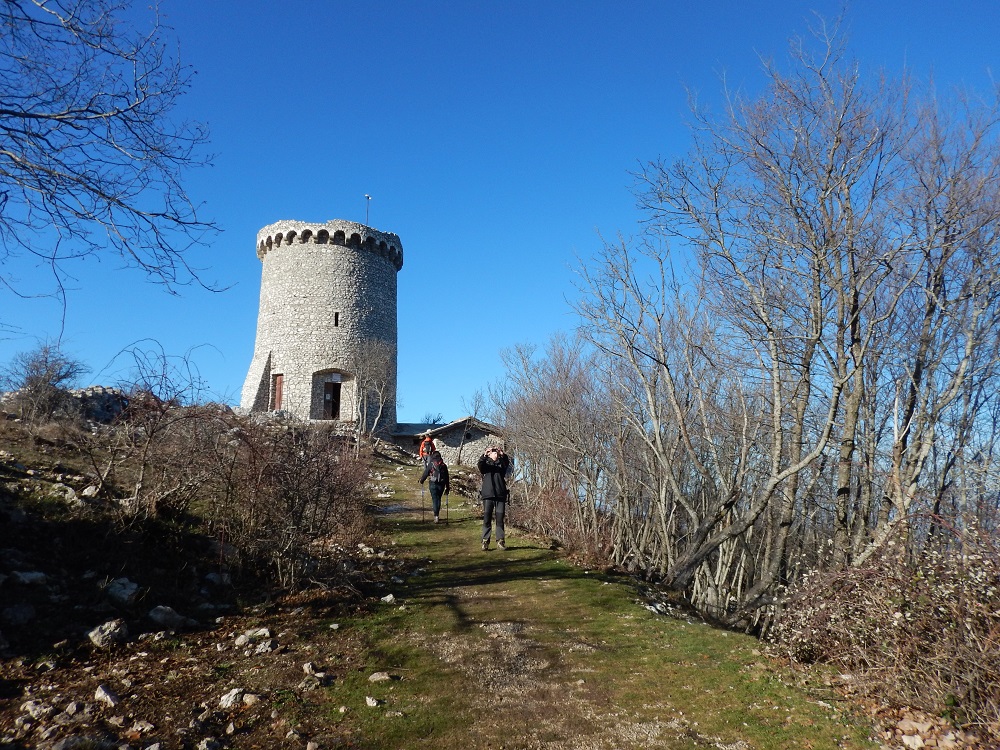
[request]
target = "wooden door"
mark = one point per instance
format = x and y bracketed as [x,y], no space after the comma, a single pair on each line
[279,386]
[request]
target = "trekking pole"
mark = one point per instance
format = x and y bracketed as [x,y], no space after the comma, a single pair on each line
[421,503]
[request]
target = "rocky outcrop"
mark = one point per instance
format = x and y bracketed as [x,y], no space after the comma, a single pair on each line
[99,403]
[96,403]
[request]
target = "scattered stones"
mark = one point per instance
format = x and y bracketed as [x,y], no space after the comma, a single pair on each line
[373,702]
[379,677]
[310,682]
[142,690]
[107,696]
[37,710]
[170,619]
[314,677]
[109,634]
[389,599]
[266,647]
[64,492]
[122,592]
[254,634]
[233,697]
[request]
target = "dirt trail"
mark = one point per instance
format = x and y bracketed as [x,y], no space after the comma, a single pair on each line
[507,638]
[540,653]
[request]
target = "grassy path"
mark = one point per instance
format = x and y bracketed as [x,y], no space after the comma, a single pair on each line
[521,649]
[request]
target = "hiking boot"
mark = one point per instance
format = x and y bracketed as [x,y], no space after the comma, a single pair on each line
[501,544]
[437,520]
[486,544]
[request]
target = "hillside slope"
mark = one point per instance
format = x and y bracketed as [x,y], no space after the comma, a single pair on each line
[427,641]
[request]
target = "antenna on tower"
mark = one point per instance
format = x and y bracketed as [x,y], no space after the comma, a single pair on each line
[368,202]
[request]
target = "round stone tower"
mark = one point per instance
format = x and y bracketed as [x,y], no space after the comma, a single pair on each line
[326,329]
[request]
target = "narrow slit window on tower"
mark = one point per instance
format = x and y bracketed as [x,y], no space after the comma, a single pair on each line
[336,320]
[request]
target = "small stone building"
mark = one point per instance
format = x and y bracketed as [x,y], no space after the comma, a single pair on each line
[461,442]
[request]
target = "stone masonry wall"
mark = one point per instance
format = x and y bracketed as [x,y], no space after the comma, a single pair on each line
[472,448]
[325,288]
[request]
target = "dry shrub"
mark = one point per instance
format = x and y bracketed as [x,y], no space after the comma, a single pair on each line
[924,631]
[290,496]
[64,433]
[280,497]
[161,454]
[553,513]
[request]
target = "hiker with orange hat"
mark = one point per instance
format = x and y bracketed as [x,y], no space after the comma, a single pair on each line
[427,447]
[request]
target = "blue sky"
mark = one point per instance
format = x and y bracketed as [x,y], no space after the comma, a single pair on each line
[495,138]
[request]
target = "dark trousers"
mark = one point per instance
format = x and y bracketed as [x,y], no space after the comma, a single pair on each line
[493,507]
[437,490]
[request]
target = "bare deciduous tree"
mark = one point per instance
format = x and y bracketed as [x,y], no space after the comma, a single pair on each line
[375,383]
[474,409]
[555,417]
[800,357]
[39,379]
[90,159]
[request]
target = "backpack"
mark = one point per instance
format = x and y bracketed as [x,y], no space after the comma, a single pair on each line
[438,471]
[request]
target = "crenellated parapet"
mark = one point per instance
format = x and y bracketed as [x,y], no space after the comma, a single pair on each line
[335,232]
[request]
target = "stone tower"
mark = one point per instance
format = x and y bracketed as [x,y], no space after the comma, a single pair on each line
[327,292]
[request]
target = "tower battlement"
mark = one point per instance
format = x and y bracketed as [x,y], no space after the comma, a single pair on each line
[333,232]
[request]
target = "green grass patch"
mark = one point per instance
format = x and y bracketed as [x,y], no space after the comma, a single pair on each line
[520,648]
[417,707]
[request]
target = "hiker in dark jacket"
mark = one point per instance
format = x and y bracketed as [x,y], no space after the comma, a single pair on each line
[494,466]
[440,483]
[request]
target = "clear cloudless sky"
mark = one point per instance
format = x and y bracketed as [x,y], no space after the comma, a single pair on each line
[495,138]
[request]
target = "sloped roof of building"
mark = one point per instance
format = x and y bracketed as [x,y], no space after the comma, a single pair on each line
[417,429]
